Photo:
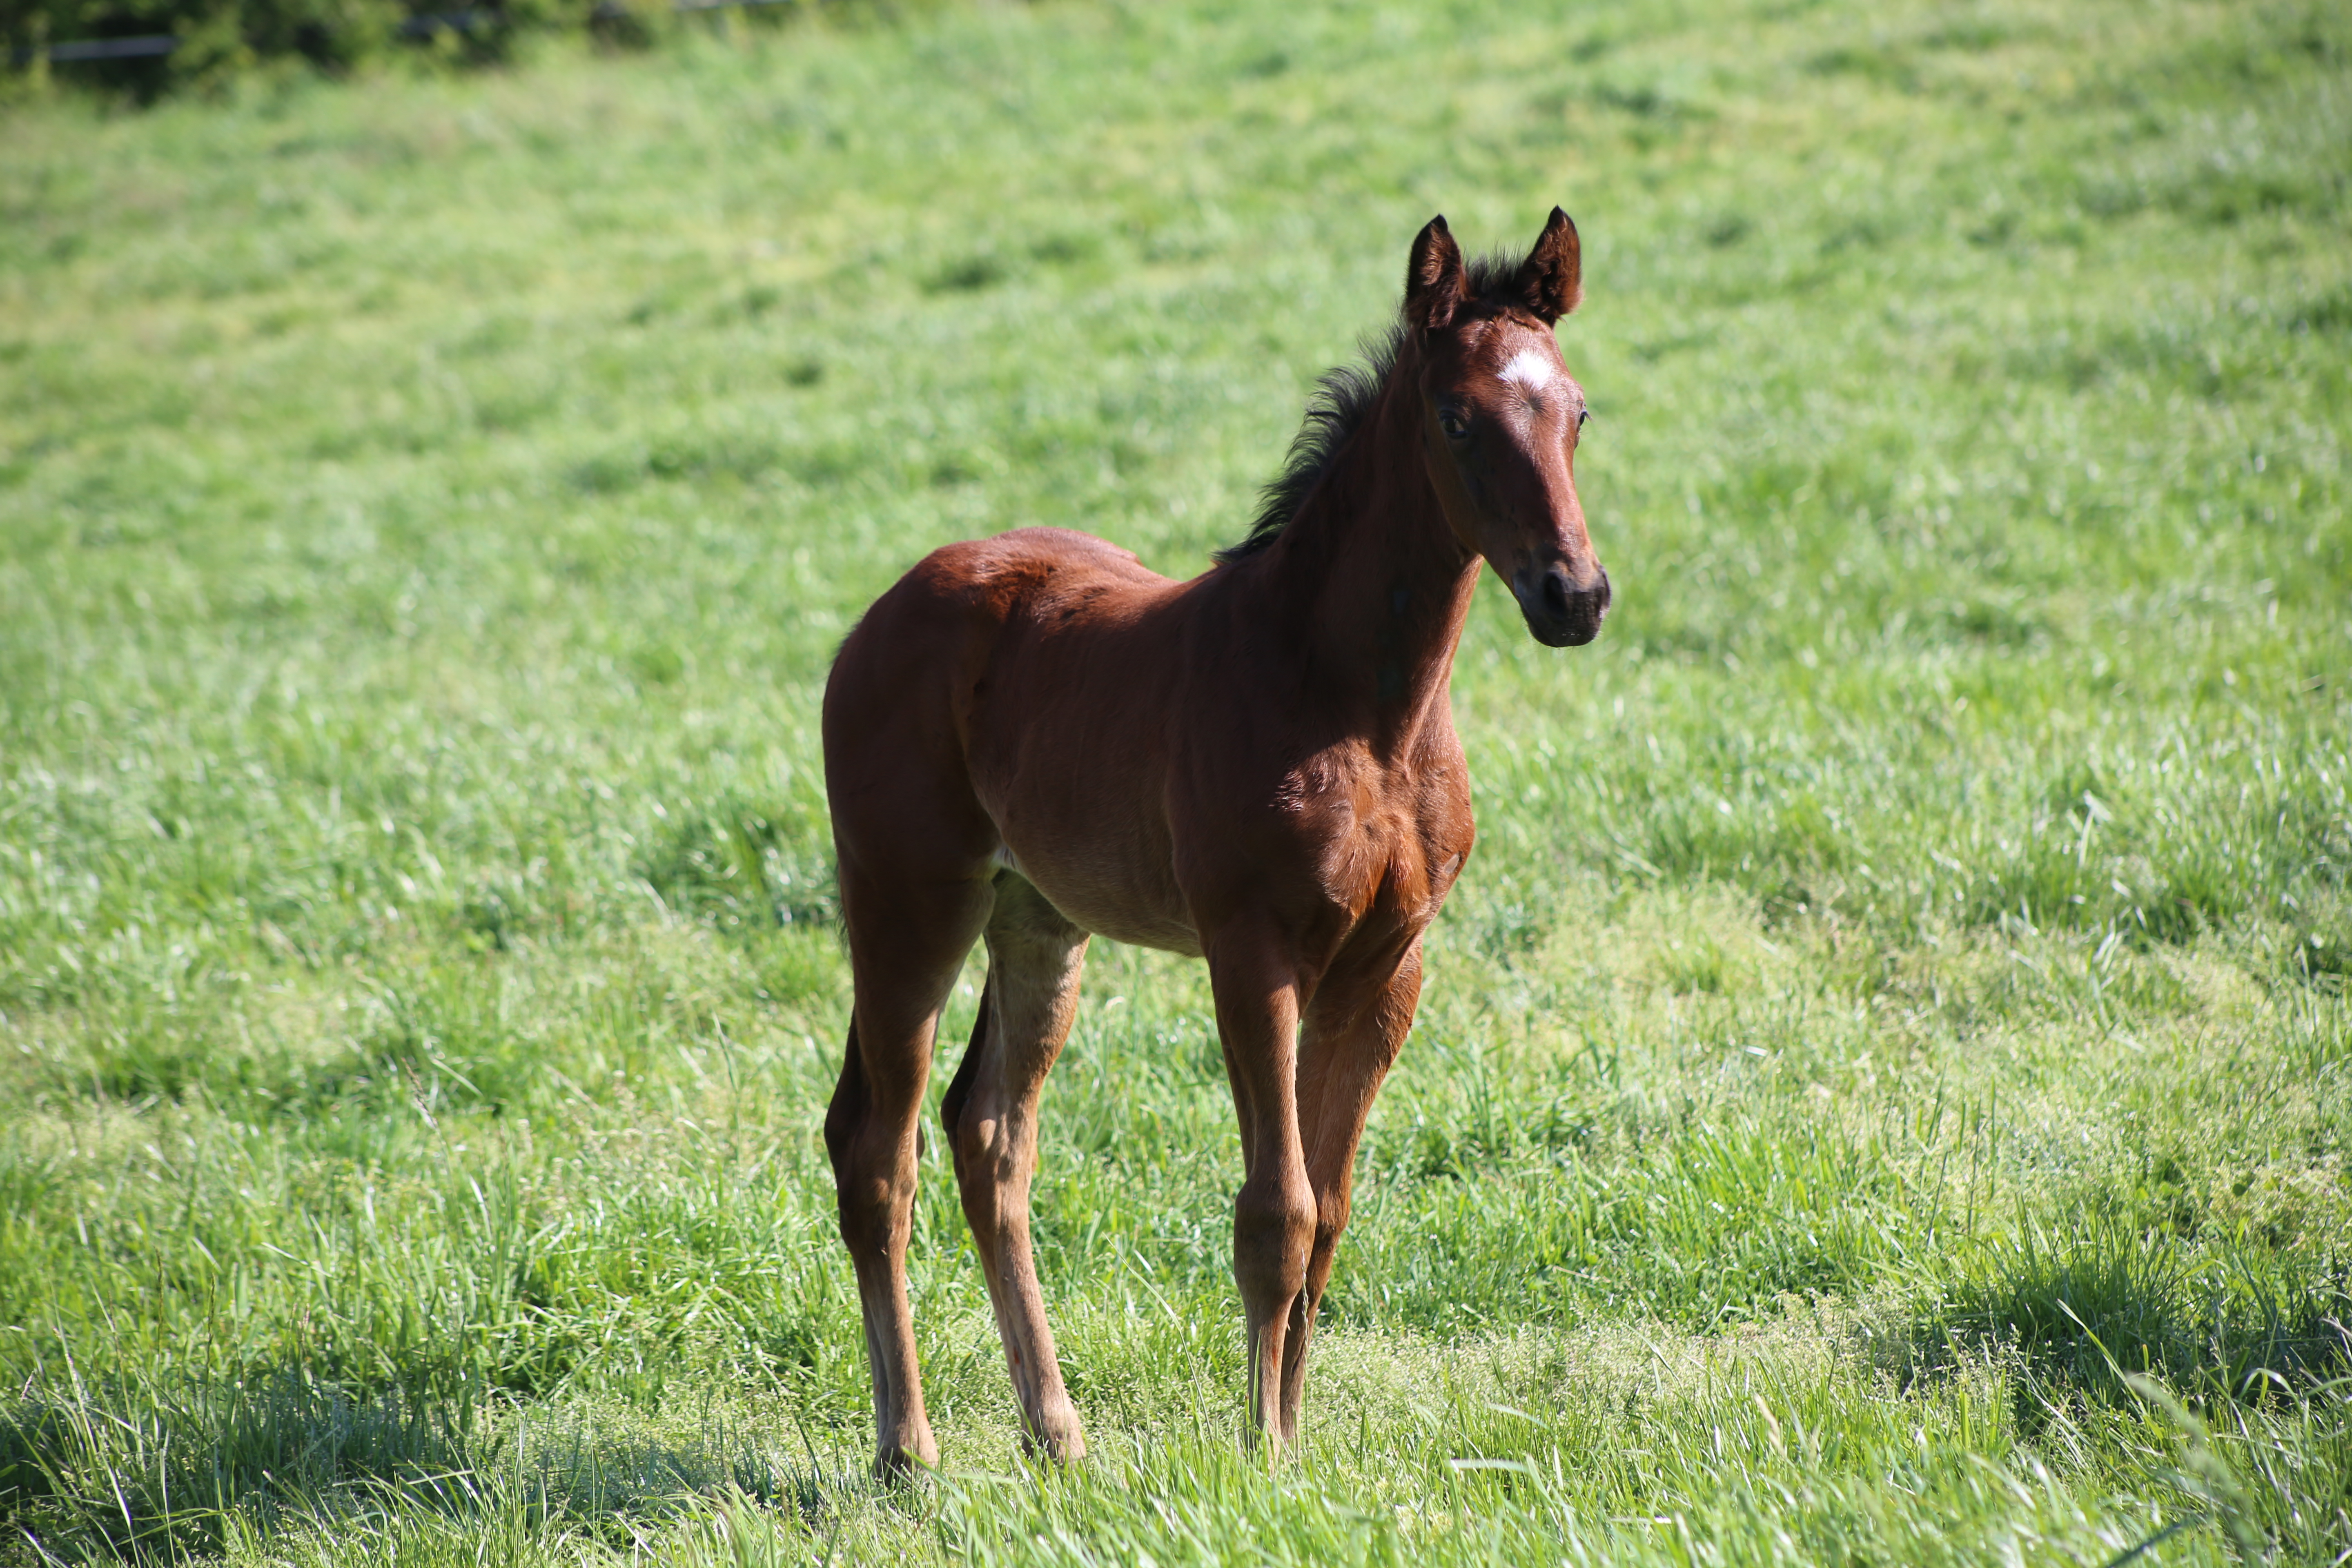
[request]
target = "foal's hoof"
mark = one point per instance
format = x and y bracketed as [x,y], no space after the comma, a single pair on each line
[895,1464]
[1269,1447]
[1058,1437]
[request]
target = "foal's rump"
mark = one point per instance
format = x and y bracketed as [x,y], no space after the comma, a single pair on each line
[1007,703]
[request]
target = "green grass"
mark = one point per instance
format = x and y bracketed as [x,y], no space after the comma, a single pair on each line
[1884,1091]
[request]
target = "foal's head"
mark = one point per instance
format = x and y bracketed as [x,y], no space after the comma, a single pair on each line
[1500,416]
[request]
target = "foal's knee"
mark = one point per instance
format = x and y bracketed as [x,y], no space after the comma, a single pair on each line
[1330,1221]
[1272,1229]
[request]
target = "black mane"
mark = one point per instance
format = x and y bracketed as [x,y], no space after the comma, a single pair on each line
[1337,408]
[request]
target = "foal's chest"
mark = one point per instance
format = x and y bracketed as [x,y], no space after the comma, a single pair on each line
[1388,843]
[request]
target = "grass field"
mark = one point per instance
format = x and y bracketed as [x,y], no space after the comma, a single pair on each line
[1884,1092]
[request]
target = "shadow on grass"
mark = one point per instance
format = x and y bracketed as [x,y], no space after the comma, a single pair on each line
[152,1474]
[2084,1314]
[124,1471]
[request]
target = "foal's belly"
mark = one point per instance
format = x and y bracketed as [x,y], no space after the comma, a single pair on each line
[1108,900]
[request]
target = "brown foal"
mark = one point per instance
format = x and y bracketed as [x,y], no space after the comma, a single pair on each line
[1031,739]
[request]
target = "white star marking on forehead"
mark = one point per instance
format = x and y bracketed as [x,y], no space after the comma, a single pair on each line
[1530,372]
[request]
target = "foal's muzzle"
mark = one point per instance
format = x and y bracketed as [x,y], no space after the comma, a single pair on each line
[1560,611]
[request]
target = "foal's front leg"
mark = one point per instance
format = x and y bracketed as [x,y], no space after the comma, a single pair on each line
[1354,1031]
[1274,1216]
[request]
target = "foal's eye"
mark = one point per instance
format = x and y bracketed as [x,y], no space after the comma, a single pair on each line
[1452,422]
[1583,417]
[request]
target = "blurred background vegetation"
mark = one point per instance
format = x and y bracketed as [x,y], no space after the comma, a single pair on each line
[138,50]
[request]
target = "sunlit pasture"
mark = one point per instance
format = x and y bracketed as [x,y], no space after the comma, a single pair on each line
[1884,1086]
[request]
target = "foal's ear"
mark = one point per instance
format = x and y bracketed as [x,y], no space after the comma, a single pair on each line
[1433,278]
[1551,280]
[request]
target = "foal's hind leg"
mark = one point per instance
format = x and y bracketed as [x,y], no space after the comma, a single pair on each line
[1034,960]
[907,941]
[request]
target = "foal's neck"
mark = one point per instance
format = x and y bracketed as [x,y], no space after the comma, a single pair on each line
[1383,584]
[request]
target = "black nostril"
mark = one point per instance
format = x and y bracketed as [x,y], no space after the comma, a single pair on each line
[1555,592]
[1604,587]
